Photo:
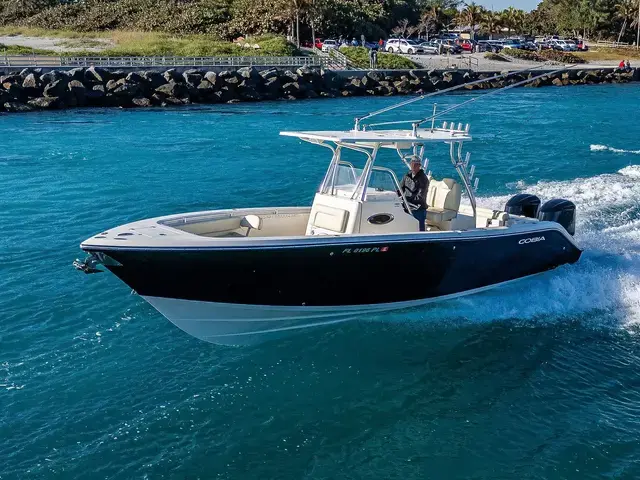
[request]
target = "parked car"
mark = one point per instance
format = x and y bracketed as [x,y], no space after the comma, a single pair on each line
[488,46]
[532,47]
[563,46]
[372,45]
[430,47]
[466,45]
[581,46]
[448,46]
[511,43]
[329,45]
[319,43]
[401,45]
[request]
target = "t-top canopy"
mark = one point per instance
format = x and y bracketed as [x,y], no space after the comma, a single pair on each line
[386,138]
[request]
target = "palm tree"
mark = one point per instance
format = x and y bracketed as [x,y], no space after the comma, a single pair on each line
[491,22]
[626,10]
[433,18]
[470,16]
[513,19]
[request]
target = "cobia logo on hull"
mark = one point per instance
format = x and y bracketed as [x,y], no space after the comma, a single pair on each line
[531,240]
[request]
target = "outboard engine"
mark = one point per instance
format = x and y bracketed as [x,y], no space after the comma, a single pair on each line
[524,205]
[560,211]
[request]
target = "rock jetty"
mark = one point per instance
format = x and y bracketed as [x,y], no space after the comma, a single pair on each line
[31,89]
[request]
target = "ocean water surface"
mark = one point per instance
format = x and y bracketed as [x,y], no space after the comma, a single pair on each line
[540,379]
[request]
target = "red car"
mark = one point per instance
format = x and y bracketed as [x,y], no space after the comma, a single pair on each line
[582,47]
[466,45]
[319,43]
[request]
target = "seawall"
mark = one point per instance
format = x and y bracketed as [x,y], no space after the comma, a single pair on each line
[32,89]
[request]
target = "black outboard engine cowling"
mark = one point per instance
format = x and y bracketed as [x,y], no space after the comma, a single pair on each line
[560,211]
[523,204]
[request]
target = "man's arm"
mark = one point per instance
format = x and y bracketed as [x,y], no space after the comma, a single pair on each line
[420,196]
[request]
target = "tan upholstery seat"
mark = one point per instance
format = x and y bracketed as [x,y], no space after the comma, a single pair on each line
[443,200]
[251,222]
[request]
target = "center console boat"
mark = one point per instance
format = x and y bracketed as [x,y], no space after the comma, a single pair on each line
[238,276]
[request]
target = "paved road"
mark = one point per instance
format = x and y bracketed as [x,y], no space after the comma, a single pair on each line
[477,61]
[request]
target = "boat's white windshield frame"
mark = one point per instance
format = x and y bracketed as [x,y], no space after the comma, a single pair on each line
[414,140]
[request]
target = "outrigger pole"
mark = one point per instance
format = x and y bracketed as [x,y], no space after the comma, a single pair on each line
[457,87]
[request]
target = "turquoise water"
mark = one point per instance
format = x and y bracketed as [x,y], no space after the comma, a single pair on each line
[537,380]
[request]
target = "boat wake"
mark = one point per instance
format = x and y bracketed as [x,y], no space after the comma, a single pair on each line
[605,283]
[605,148]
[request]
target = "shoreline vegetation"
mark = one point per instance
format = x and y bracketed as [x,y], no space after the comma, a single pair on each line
[32,89]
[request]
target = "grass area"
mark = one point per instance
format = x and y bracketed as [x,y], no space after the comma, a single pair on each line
[495,57]
[609,54]
[359,56]
[544,55]
[20,50]
[126,43]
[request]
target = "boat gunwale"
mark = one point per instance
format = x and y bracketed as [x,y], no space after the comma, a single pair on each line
[313,241]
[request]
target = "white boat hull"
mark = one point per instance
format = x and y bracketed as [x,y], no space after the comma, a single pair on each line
[234,324]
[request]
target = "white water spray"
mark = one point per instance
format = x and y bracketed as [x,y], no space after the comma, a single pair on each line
[606,280]
[605,148]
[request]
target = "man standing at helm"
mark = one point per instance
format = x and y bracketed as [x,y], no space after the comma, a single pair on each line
[414,187]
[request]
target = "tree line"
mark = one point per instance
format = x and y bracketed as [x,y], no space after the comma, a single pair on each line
[603,19]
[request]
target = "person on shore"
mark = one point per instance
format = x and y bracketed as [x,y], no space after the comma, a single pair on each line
[628,66]
[380,43]
[354,42]
[621,65]
[373,59]
[414,187]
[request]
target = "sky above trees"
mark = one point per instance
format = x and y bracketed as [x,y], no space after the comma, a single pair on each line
[502,4]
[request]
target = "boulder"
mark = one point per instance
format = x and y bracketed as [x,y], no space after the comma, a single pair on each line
[25,72]
[46,103]
[224,94]
[10,79]
[79,92]
[32,86]
[172,75]
[290,76]
[272,88]
[76,74]
[135,77]
[173,89]
[95,97]
[17,107]
[99,88]
[192,77]
[57,88]
[141,102]
[97,74]
[205,88]
[127,90]
[270,73]
[376,77]
[557,82]
[154,79]
[177,101]
[232,81]
[157,99]
[112,85]
[15,91]
[249,72]
[292,89]
[249,94]
[31,81]
[213,79]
